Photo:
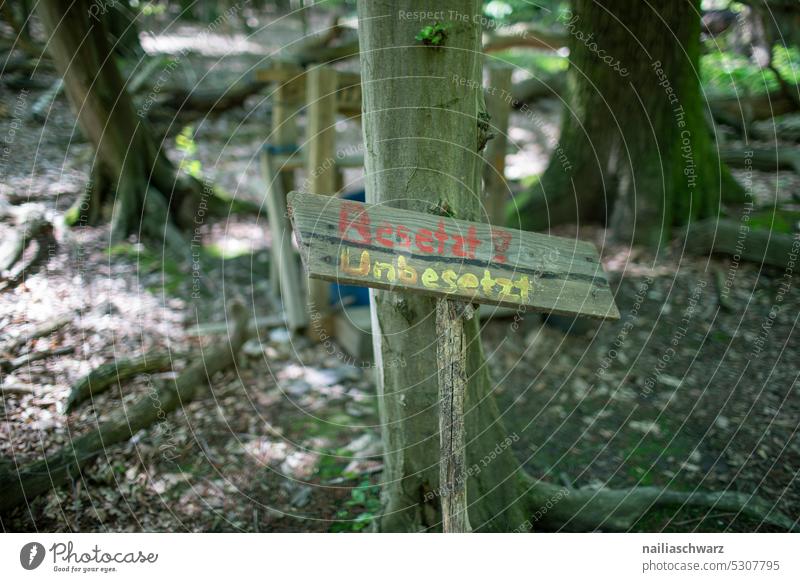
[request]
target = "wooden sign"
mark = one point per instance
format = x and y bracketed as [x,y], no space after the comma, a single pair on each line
[401,250]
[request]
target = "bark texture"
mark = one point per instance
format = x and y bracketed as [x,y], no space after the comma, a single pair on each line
[635,149]
[130,171]
[423,135]
[451,356]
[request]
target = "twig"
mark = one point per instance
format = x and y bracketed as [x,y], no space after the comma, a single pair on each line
[43,329]
[11,365]
[25,483]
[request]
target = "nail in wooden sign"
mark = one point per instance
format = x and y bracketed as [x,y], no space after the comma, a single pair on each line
[401,250]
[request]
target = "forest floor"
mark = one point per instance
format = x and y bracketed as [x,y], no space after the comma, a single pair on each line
[693,388]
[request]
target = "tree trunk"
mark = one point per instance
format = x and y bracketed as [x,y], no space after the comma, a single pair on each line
[423,132]
[635,149]
[423,141]
[148,192]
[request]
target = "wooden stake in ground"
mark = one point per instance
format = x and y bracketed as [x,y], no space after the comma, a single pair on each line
[321,172]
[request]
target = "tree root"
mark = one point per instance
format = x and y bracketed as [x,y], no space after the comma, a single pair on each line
[103,377]
[559,508]
[30,221]
[766,159]
[31,226]
[22,484]
[761,246]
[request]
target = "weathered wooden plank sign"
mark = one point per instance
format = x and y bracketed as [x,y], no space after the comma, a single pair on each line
[401,250]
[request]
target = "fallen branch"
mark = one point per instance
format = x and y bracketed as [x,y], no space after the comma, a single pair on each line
[216,327]
[737,239]
[740,110]
[767,159]
[620,509]
[27,359]
[19,389]
[210,100]
[42,105]
[41,330]
[30,481]
[103,377]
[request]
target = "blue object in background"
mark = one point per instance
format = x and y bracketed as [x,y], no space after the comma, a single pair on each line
[344,293]
[357,196]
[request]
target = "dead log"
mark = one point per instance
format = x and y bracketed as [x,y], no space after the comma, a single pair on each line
[19,389]
[103,377]
[341,51]
[212,100]
[740,110]
[737,111]
[137,79]
[766,159]
[216,327]
[620,509]
[22,485]
[739,240]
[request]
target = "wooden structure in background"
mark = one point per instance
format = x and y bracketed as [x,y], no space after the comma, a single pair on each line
[320,93]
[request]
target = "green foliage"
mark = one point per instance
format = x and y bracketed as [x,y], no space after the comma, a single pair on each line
[164,272]
[778,221]
[359,511]
[537,63]
[728,73]
[432,35]
[151,9]
[72,215]
[184,143]
[541,12]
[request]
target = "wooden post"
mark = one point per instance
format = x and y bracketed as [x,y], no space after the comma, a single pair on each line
[286,102]
[498,105]
[451,353]
[321,86]
[283,255]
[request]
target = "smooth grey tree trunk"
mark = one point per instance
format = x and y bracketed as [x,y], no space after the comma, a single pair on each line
[423,131]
